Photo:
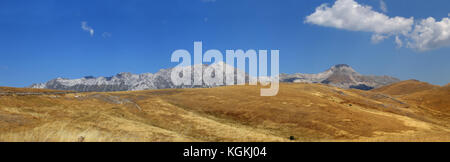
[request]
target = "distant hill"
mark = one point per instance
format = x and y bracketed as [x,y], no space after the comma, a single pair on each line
[424,95]
[405,87]
[436,98]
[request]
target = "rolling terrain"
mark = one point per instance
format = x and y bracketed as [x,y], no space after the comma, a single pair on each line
[403,111]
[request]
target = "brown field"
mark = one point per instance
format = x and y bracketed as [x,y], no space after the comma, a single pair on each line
[405,111]
[32,90]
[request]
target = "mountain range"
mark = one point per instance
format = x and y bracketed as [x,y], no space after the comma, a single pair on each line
[340,75]
[126,81]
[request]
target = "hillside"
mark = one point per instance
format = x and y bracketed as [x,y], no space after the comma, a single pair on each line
[308,112]
[436,98]
[422,94]
[405,87]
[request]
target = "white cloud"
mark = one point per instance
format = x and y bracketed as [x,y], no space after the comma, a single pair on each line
[383,6]
[87,28]
[430,34]
[349,15]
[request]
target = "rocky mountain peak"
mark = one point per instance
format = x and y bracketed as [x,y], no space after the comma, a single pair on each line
[124,75]
[343,76]
[343,68]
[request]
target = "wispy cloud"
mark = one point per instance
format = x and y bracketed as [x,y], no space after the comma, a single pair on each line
[423,35]
[399,42]
[87,28]
[377,38]
[383,6]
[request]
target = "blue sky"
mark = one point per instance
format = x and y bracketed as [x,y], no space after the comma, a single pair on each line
[42,40]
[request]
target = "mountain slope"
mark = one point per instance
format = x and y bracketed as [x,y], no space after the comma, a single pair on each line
[431,100]
[436,98]
[405,87]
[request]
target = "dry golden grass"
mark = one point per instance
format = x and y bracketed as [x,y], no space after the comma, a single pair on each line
[12,89]
[431,100]
[309,112]
[405,87]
